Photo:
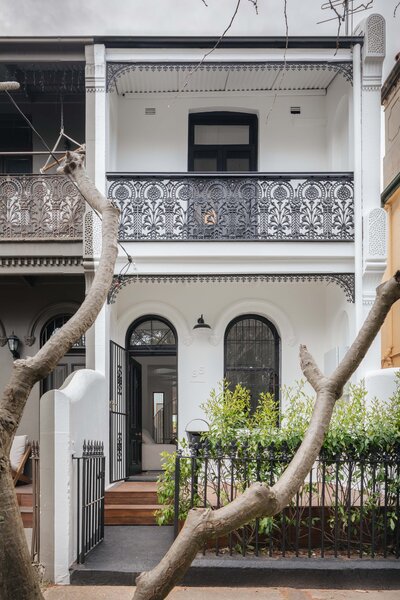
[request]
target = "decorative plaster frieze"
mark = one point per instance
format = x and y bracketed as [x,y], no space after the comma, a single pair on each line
[375,37]
[40,261]
[115,70]
[344,280]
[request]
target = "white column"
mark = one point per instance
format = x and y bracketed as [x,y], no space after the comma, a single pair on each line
[374,217]
[96,144]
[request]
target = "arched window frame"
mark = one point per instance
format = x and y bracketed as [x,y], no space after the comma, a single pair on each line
[223,118]
[277,351]
[60,320]
[162,349]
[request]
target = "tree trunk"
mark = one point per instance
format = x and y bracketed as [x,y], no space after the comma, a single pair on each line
[18,580]
[259,500]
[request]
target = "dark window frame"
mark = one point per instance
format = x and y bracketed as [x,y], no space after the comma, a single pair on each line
[221,150]
[277,354]
[161,350]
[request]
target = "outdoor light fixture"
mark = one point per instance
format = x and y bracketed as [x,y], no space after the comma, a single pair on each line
[13,345]
[201,324]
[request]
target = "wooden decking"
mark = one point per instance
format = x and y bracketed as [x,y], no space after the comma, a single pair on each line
[131,503]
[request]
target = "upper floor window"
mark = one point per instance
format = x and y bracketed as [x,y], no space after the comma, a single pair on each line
[15,138]
[222,141]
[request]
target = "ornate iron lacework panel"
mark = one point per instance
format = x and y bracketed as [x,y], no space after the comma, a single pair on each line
[40,207]
[309,207]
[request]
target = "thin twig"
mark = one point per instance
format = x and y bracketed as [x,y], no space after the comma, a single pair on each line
[197,67]
[395,9]
[282,72]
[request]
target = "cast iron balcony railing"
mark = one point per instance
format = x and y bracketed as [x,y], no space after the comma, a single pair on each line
[251,206]
[40,207]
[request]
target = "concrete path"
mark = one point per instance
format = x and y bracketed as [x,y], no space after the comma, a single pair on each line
[189,593]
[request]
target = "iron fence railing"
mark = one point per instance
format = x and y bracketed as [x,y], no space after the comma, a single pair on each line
[348,506]
[35,541]
[40,207]
[90,498]
[234,206]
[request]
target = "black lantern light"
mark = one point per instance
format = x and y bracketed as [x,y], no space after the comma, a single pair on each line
[201,324]
[13,345]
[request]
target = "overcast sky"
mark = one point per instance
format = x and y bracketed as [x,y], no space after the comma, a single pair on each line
[191,17]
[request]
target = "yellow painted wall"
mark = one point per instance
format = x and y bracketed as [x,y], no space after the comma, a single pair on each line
[391,327]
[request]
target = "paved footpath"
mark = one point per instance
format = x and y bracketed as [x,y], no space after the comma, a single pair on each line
[190,593]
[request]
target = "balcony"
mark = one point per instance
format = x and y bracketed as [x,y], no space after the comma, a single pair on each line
[40,208]
[316,207]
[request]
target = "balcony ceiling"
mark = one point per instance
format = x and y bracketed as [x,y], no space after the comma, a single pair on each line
[154,78]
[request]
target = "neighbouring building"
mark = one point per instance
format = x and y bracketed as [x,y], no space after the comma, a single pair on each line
[391,203]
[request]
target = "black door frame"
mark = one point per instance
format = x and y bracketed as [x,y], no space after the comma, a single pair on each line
[223,118]
[141,351]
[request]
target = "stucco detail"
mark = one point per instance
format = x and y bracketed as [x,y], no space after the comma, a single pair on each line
[263,308]
[375,36]
[377,232]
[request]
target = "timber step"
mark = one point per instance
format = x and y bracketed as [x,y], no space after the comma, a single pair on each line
[126,514]
[131,503]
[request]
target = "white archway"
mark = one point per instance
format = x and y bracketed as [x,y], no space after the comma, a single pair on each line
[258,307]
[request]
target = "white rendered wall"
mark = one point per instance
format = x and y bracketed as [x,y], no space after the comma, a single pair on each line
[160,143]
[76,412]
[338,126]
[299,310]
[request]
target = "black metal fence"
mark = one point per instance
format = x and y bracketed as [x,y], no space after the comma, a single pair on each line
[90,496]
[35,541]
[348,506]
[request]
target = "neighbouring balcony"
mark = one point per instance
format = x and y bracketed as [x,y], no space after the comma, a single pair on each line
[40,207]
[227,206]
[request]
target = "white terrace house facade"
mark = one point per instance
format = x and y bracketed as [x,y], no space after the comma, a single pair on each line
[248,184]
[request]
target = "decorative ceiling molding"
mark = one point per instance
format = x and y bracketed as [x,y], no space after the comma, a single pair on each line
[346,281]
[115,70]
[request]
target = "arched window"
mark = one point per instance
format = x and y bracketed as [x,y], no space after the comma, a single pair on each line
[151,335]
[252,348]
[53,325]
[72,361]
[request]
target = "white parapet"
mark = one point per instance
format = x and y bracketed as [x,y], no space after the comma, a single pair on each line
[76,412]
[380,384]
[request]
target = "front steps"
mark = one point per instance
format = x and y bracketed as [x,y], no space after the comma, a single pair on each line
[25,502]
[131,503]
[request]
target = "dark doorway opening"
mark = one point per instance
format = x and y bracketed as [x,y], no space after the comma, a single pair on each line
[152,391]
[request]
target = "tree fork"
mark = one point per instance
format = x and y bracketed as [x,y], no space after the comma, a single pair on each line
[18,579]
[259,500]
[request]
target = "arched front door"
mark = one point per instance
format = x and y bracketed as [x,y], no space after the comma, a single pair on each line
[152,386]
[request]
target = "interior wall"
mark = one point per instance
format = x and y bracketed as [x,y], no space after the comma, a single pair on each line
[46,118]
[159,143]
[22,300]
[339,125]
[152,384]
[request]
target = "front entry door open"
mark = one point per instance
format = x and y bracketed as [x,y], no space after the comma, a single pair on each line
[135,417]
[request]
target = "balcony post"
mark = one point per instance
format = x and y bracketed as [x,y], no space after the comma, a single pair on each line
[96,124]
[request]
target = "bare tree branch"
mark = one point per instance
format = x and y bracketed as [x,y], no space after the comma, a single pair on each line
[395,9]
[259,499]
[21,581]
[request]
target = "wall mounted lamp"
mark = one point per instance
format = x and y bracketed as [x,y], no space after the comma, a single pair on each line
[13,345]
[201,324]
